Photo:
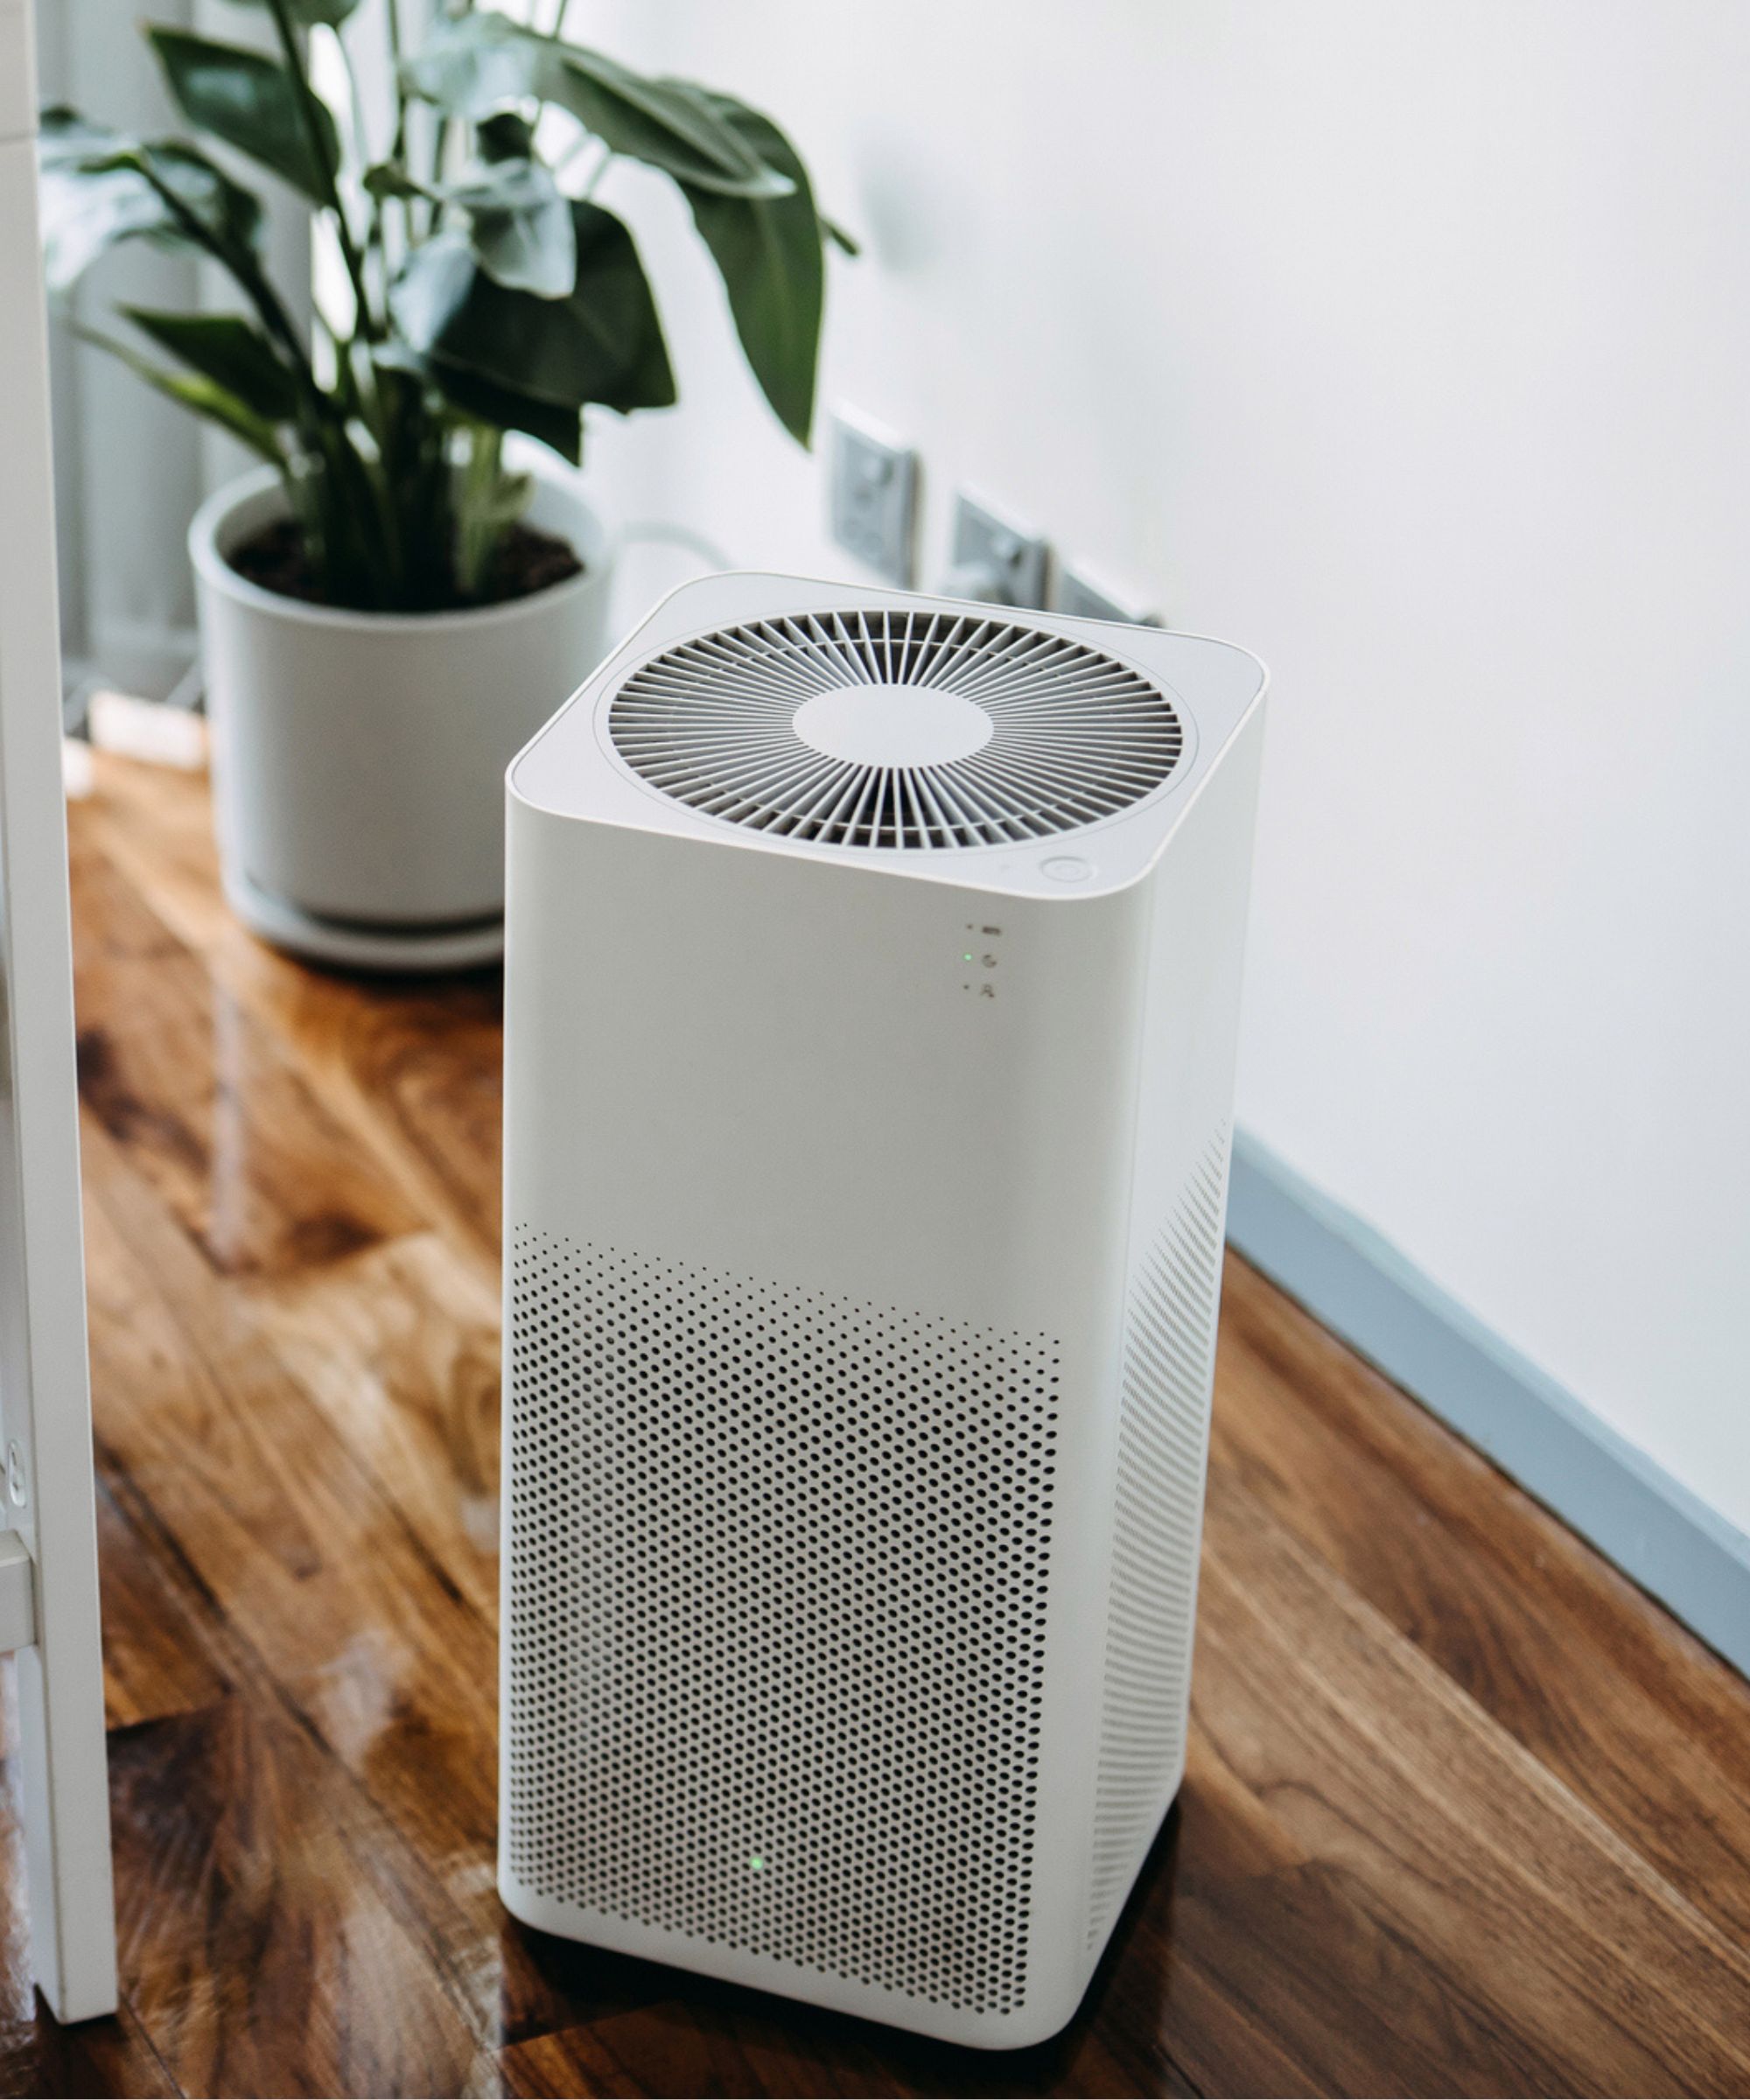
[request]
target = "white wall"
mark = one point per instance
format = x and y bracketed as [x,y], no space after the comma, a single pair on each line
[1409,344]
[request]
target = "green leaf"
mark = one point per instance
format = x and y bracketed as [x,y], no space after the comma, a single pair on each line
[769,251]
[252,103]
[471,66]
[66,139]
[520,226]
[667,124]
[837,235]
[205,397]
[95,192]
[390,178]
[508,498]
[228,350]
[602,343]
[308,14]
[560,428]
[485,510]
[90,199]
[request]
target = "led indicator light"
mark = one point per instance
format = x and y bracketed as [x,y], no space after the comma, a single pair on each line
[758,1863]
[967,957]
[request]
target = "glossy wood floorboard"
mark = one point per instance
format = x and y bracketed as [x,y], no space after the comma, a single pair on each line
[1463,1811]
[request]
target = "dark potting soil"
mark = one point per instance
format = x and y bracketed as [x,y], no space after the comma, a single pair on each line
[525,562]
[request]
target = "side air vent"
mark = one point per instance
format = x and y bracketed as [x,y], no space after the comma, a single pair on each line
[776,1632]
[900,729]
[1163,1442]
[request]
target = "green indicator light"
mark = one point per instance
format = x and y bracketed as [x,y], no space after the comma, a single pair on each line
[967,958]
[758,1863]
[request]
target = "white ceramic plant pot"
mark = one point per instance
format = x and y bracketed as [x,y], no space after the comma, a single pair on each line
[359,758]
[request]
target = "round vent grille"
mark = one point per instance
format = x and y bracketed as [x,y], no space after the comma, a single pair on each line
[896,728]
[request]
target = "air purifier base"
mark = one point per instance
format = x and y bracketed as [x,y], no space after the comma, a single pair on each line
[1051,2010]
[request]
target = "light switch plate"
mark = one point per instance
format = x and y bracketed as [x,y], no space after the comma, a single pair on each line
[986,546]
[1084,596]
[874,498]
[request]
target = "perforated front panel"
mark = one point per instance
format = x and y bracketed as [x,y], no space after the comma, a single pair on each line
[1163,1440]
[779,1568]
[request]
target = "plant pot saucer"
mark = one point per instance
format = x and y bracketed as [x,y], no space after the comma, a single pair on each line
[408,951]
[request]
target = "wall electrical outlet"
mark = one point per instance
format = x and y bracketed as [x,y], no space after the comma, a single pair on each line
[1083,596]
[874,499]
[994,558]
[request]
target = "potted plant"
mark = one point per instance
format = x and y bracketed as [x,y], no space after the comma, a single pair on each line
[388,609]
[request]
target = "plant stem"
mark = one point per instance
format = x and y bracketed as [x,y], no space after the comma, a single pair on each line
[321,421]
[243,271]
[394,19]
[595,175]
[361,144]
[440,147]
[397,151]
[305,96]
[477,528]
[374,482]
[583,140]
[440,144]
[362,152]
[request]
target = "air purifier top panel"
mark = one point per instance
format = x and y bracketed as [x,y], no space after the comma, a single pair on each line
[1003,750]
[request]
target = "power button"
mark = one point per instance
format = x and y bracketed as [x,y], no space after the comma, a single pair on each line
[1066,867]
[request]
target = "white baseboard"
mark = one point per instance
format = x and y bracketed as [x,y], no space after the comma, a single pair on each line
[1654,1529]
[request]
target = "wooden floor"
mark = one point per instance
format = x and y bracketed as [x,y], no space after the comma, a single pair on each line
[1465,1813]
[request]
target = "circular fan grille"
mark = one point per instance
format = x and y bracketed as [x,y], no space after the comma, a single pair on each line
[1074,735]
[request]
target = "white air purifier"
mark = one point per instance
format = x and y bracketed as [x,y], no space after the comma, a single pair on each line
[873,980]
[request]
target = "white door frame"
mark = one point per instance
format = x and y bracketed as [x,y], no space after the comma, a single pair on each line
[48,1550]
